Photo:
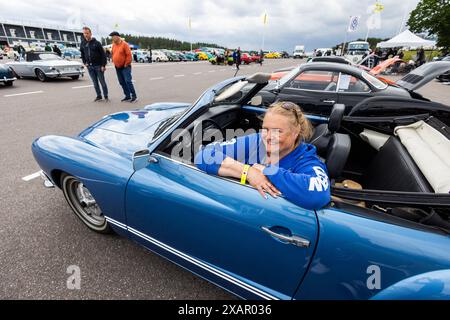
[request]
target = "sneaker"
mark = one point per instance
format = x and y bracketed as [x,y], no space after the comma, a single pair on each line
[98,99]
[125,99]
[106,99]
[134,99]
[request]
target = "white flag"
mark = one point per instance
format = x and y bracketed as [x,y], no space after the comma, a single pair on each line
[353,24]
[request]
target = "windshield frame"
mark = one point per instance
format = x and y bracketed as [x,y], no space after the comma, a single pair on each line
[52,55]
[373,81]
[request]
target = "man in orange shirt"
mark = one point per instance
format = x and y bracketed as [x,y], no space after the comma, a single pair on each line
[122,57]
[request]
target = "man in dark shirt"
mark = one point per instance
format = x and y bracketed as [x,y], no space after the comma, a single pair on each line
[94,58]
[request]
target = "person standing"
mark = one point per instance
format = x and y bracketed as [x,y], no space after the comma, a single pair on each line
[122,57]
[47,48]
[237,58]
[421,57]
[94,58]
[108,55]
[261,57]
[57,50]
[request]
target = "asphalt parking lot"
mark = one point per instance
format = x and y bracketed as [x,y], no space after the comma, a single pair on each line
[40,237]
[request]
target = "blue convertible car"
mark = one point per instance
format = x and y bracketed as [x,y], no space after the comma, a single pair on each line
[384,235]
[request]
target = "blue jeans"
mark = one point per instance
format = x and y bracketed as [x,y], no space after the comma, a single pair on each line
[96,74]
[126,81]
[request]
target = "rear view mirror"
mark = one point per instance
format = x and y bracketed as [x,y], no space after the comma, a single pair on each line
[256,101]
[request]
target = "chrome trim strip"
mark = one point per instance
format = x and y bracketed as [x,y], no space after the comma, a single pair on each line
[116,223]
[204,266]
[194,261]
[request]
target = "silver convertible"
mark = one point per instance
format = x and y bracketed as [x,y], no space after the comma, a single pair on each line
[46,65]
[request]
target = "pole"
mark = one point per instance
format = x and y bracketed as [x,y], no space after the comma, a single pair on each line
[345,42]
[264,38]
[404,17]
[367,34]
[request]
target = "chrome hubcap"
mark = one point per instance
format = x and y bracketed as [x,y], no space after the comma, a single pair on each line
[87,201]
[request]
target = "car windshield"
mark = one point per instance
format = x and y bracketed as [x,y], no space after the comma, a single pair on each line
[49,56]
[288,76]
[374,81]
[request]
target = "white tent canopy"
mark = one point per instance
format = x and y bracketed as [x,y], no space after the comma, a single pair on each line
[406,39]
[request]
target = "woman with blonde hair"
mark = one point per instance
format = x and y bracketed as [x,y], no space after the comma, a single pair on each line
[277,161]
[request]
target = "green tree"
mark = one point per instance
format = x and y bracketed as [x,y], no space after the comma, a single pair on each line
[432,16]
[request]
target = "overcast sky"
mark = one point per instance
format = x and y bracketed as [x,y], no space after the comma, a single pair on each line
[232,23]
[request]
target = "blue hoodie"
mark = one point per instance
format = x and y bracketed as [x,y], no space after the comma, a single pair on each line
[300,176]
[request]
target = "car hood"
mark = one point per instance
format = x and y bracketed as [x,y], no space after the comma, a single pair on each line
[126,132]
[424,74]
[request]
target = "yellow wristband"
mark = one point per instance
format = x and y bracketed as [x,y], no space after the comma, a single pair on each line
[244,174]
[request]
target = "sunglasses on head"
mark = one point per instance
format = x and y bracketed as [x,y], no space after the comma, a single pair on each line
[291,107]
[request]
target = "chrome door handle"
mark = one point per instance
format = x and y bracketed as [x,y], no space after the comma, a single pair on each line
[295,240]
[329,101]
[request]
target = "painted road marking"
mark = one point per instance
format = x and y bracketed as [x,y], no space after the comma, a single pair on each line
[22,94]
[82,87]
[157,78]
[32,176]
[178,75]
[197,73]
[212,71]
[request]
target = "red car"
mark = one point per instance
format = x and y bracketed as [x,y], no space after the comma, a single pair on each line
[247,58]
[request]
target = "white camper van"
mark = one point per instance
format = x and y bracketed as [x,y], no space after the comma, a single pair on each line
[299,52]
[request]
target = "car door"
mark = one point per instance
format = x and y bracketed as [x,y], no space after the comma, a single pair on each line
[313,90]
[221,230]
[352,90]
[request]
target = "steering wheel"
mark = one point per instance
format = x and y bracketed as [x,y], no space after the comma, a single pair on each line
[198,133]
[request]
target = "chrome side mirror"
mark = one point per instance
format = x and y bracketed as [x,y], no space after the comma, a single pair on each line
[141,159]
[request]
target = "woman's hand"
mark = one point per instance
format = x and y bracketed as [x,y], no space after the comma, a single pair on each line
[258,180]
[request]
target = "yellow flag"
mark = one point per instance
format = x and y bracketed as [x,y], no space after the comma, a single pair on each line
[265,18]
[378,8]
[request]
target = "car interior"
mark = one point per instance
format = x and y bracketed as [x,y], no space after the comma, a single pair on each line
[358,157]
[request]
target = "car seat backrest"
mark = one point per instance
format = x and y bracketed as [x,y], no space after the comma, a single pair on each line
[393,169]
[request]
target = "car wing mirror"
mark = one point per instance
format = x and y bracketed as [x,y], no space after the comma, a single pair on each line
[256,101]
[141,159]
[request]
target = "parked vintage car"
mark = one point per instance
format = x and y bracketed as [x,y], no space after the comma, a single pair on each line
[159,56]
[71,53]
[6,75]
[318,86]
[127,173]
[272,55]
[46,65]
[142,55]
[191,56]
[246,58]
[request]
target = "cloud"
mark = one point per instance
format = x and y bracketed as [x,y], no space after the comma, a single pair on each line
[229,23]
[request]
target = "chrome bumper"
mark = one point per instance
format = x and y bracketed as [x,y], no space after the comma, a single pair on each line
[58,74]
[47,181]
[5,79]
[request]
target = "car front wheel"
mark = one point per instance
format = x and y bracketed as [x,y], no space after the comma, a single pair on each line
[83,204]
[75,77]
[41,75]
[8,83]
